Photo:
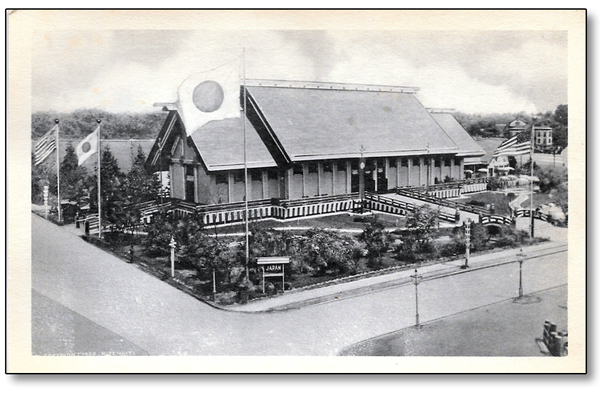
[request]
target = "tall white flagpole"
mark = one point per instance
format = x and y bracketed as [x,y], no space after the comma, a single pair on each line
[245,163]
[58,170]
[99,183]
[531,183]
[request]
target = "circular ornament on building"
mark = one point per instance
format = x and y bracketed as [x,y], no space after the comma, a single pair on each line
[208,96]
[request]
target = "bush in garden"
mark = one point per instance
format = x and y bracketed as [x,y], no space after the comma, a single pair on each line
[494,183]
[160,231]
[376,239]
[321,251]
[226,298]
[510,237]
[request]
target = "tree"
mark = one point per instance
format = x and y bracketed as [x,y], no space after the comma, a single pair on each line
[139,185]
[74,179]
[41,175]
[112,197]
[376,239]
[561,115]
[421,230]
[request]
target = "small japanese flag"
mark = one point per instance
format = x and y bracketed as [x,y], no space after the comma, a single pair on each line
[87,146]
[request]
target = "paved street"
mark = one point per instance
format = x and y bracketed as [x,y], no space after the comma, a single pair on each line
[139,313]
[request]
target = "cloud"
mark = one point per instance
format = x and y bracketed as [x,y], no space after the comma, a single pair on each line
[481,71]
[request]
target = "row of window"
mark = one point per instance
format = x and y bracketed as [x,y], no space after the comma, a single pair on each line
[298,169]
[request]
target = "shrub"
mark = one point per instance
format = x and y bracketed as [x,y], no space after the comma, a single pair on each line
[376,239]
[226,298]
[476,203]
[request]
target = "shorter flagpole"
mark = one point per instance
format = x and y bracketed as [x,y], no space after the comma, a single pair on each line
[99,183]
[59,208]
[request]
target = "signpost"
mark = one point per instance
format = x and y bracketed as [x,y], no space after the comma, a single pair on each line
[273,266]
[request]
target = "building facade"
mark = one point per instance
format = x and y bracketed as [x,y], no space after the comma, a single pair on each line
[305,139]
[542,136]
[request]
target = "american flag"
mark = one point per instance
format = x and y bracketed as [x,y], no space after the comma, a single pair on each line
[510,147]
[45,146]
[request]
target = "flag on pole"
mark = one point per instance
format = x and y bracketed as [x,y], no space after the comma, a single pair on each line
[508,143]
[87,146]
[517,149]
[45,146]
[210,96]
[510,147]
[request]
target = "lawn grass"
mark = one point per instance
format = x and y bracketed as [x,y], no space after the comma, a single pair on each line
[499,199]
[337,221]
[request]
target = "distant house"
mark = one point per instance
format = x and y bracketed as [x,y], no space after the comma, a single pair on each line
[542,136]
[516,127]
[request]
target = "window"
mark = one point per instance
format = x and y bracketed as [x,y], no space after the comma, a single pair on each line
[189,170]
[438,162]
[392,163]
[313,168]
[273,175]
[238,177]
[256,176]
[221,179]
[404,162]
[298,169]
[341,165]
[426,161]
[416,161]
[446,162]
[327,167]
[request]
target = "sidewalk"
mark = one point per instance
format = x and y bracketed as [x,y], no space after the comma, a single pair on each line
[303,298]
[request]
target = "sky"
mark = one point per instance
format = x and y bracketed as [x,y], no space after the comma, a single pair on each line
[469,71]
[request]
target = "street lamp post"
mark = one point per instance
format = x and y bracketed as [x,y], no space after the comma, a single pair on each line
[520,259]
[416,278]
[172,245]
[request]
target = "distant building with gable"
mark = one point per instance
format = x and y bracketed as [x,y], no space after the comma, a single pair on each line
[516,127]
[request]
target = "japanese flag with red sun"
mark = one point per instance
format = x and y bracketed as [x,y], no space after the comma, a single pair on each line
[210,96]
[87,146]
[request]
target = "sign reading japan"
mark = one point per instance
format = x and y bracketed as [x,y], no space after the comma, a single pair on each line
[273,266]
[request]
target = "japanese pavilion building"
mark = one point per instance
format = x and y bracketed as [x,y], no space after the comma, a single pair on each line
[307,139]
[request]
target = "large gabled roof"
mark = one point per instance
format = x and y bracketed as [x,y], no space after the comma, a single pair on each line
[331,123]
[466,144]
